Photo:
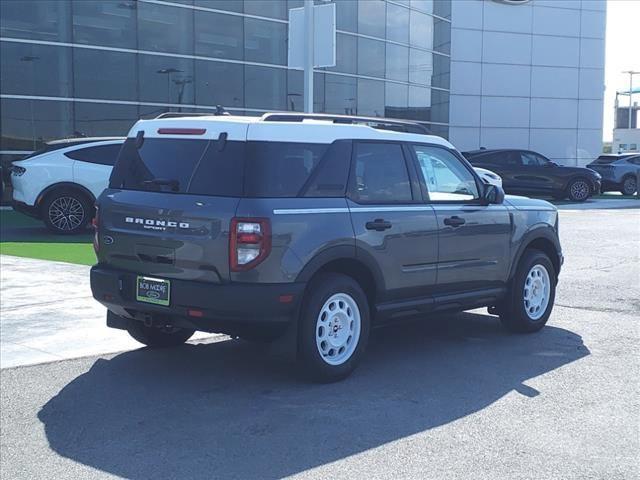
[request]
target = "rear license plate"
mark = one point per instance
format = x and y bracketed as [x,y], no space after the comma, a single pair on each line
[153,290]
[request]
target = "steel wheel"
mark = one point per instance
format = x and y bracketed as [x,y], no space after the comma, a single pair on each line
[579,190]
[629,186]
[66,213]
[537,289]
[338,329]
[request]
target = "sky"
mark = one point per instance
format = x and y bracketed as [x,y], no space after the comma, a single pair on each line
[622,53]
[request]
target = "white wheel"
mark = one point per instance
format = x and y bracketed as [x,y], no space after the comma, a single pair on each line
[338,329]
[537,292]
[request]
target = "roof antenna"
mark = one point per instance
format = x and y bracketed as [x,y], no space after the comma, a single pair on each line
[220,110]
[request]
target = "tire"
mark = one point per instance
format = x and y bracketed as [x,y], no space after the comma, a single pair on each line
[578,190]
[158,337]
[526,315]
[334,328]
[629,185]
[67,211]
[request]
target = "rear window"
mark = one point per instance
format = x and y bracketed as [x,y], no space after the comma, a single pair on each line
[252,169]
[200,167]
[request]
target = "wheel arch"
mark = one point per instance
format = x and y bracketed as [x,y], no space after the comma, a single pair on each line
[343,259]
[543,239]
[68,185]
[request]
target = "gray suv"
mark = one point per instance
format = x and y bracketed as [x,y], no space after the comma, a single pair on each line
[311,229]
[619,172]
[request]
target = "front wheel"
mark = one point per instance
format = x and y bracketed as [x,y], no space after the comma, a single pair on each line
[531,295]
[578,190]
[629,186]
[334,327]
[159,337]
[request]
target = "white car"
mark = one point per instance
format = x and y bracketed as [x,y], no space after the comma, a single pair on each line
[489,177]
[59,184]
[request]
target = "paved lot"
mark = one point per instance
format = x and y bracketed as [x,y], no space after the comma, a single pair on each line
[454,397]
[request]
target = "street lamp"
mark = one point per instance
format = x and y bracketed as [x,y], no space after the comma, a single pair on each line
[631,73]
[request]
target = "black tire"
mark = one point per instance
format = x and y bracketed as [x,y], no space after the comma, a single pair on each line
[578,190]
[513,312]
[67,211]
[629,185]
[158,337]
[320,291]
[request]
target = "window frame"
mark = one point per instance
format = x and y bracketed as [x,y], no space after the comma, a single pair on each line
[465,163]
[76,151]
[416,195]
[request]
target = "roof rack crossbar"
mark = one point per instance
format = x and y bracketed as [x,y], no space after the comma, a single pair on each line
[375,122]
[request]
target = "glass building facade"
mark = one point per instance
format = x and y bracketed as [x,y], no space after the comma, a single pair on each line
[93,67]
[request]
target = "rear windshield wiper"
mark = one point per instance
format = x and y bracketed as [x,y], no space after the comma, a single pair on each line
[174,184]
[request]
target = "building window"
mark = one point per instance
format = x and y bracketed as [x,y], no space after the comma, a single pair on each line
[265,87]
[421,30]
[218,83]
[397,23]
[42,20]
[370,98]
[165,79]
[104,23]
[265,42]
[371,16]
[108,75]
[397,62]
[162,28]
[219,35]
[371,61]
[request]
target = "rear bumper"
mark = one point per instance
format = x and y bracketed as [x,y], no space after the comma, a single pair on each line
[232,308]
[22,207]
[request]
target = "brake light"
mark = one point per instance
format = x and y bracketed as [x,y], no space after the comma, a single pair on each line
[182,131]
[249,242]
[96,241]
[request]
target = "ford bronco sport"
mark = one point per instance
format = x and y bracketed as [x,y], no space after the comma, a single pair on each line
[313,228]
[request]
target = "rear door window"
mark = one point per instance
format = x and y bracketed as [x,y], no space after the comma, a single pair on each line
[102,155]
[201,167]
[532,160]
[380,174]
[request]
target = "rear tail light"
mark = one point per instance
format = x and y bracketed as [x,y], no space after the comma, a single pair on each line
[96,241]
[249,242]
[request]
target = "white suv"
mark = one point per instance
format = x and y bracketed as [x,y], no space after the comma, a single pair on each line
[60,183]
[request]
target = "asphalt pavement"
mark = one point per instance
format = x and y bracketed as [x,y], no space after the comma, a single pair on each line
[449,397]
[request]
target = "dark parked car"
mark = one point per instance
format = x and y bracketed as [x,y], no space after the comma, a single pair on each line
[313,232]
[618,172]
[526,172]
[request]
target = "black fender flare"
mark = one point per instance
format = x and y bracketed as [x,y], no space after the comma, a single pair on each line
[543,232]
[342,252]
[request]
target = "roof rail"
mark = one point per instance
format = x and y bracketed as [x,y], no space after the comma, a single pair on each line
[217,112]
[374,122]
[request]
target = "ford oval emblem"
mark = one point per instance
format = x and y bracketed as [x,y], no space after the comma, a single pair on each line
[108,240]
[152,294]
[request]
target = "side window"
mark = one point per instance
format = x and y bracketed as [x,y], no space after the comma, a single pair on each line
[532,160]
[103,155]
[380,174]
[511,159]
[446,177]
[634,160]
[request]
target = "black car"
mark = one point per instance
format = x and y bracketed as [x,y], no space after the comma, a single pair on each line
[527,172]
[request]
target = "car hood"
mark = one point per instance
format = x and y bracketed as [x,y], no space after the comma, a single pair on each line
[579,170]
[526,203]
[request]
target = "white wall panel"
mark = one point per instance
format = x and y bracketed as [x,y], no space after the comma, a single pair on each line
[554,113]
[504,112]
[555,82]
[507,18]
[509,48]
[590,114]
[589,145]
[465,78]
[592,24]
[464,110]
[464,138]
[554,143]
[556,21]
[592,53]
[591,83]
[467,13]
[555,51]
[506,80]
[504,138]
[600,5]
[466,45]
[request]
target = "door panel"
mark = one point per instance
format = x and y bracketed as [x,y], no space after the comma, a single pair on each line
[474,254]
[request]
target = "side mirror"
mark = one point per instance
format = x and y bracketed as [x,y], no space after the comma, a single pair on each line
[493,194]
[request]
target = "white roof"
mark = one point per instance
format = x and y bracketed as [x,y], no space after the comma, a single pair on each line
[255,128]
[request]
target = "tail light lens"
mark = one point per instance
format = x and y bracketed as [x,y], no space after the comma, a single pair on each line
[96,241]
[249,242]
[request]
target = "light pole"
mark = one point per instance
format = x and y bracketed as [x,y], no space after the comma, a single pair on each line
[631,73]
[168,72]
[308,59]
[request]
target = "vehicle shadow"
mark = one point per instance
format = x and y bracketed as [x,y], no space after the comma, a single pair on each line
[228,410]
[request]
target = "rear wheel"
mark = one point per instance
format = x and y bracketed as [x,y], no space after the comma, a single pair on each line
[531,295]
[334,327]
[66,211]
[629,186]
[159,337]
[578,190]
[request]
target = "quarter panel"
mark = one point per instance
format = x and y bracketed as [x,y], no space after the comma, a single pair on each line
[93,176]
[42,171]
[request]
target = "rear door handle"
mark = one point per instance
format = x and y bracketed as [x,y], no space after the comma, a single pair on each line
[378,225]
[454,221]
